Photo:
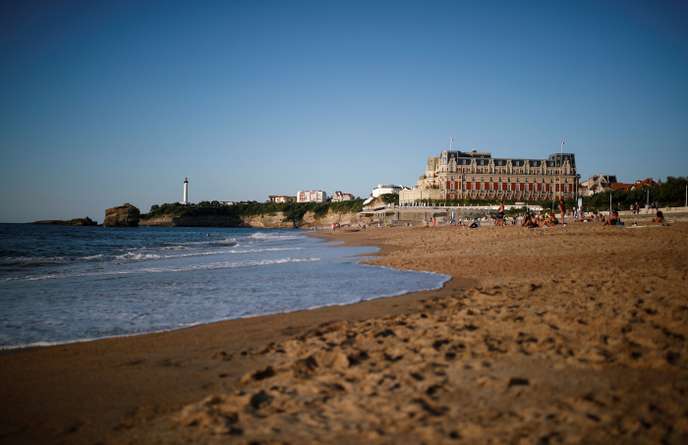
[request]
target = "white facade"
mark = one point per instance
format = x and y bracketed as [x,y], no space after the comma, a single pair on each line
[385,189]
[185,192]
[597,184]
[311,196]
[342,196]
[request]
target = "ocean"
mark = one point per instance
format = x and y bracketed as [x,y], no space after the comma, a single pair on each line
[64,284]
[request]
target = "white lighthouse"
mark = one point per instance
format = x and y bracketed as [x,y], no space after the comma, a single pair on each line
[185,193]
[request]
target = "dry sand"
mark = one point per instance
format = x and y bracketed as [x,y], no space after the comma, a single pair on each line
[571,334]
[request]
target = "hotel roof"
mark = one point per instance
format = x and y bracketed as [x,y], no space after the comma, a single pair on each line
[483,158]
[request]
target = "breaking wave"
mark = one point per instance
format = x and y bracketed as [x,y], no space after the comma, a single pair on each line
[189,268]
[273,237]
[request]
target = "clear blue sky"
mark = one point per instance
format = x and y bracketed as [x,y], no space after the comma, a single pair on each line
[109,102]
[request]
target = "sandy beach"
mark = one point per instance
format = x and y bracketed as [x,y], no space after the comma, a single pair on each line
[561,335]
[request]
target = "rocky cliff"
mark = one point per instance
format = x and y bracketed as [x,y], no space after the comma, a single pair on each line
[190,221]
[125,215]
[272,220]
[310,220]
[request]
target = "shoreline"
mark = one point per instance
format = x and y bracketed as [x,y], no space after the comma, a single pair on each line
[364,260]
[47,344]
[138,376]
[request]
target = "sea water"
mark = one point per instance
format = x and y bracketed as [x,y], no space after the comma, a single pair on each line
[63,284]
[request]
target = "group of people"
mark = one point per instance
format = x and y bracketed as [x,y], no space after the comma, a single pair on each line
[532,220]
[614,219]
[550,219]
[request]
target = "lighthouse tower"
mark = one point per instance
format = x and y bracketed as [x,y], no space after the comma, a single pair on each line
[185,193]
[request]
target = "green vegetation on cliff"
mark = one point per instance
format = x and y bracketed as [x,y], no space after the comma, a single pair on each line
[292,211]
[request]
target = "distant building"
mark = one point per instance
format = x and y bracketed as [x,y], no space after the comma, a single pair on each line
[458,175]
[642,183]
[620,186]
[311,196]
[342,196]
[281,199]
[385,189]
[597,184]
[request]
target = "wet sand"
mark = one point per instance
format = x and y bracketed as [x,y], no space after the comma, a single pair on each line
[565,335]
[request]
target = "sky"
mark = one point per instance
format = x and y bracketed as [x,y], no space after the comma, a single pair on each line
[108,102]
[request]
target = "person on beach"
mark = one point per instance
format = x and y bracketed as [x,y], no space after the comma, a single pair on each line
[551,220]
[614,219]
[659,217]
[562,209]
[500,215]
[529,221]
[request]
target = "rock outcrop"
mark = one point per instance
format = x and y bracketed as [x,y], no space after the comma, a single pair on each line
[70,222]
[125,215]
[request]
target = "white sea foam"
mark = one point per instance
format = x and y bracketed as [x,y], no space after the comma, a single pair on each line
[226,242]
[273,237]
[141,256]
[189,268]
[138,256]
[91,257]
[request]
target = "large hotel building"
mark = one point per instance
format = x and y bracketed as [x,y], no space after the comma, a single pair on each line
[457,175]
